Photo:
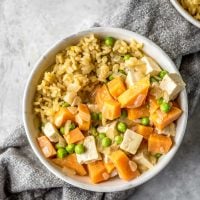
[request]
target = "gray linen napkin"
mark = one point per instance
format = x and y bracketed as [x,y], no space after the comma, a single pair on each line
[22,176]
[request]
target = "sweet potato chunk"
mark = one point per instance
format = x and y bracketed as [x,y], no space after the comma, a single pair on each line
[83,118]
[74,136]
[159,144]
[153,104]
[145,131]
[111,109]
[46,146]
[62,116]
[102,95]
[116,87]
[136,113]
[70,161]
[122,164]
[97,172]
[161,119]
[135,96]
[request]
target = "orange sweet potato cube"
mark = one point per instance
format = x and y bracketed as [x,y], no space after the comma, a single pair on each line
[111,110]
[46,146]
[74,136]
[159,143]
[136,113]
[116,87]
[145,131]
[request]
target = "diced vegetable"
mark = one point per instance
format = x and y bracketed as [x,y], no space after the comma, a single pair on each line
[153,104]
[121,162]
[116,87]
[121,127]
[74,136]
[145,131]
[62,130]
[102,135]
[159,144]
[97,172]
[161,119]
[141,159]
[135,95]
[72,126]
[70,161]
[162,74]
[136,113]
[62,116]
[83,118]
[94,131]
[109,167]
[111,110]
[102,95]
[46,147]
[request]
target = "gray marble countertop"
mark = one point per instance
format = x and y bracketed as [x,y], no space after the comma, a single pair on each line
[27,29]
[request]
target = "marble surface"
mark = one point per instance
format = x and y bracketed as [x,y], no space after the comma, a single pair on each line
[28,28]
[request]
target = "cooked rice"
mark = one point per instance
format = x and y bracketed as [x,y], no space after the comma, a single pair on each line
[80,68]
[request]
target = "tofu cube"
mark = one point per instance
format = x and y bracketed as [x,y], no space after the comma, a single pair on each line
[172,84]
[91,153]
[51,132]
[133,77]
[131,141]
[112,131]
[143,160]
[152,67]
[69,97]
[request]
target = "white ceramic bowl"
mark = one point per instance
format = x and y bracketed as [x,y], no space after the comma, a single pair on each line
[47,59]
[185,14]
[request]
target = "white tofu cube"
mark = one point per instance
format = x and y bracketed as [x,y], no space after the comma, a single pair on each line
[93,107]
[51,132]
[143,160]
[133,77]
[131,141]
[172,84]
[112,131]
[170,130]
[102,129]
[151,66]
[91,153]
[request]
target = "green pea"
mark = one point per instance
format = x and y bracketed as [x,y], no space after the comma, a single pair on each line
[72,126]
[65,104]
[160,100]
[145,121]
[106,142]
[127,57]
[79,149]
[162,74]
[62,130]
[122,71]
[153,80]
[95,116]
[102,135]
[121,127]
[109,41]
[110,78]
[70,148]
[94,131]
[165,107]
[100,116]
[58,146]
[124,113]
[158,155]
[118,139]
[61,152]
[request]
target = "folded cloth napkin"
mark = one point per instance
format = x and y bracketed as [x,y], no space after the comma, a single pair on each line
[22,176]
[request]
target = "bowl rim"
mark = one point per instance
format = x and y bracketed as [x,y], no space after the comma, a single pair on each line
[185,14]
[97,187]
